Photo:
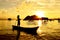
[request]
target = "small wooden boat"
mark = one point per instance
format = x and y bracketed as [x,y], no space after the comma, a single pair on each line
[27,30]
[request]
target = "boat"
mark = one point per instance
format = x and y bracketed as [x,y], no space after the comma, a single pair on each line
[31,30]
[26,30]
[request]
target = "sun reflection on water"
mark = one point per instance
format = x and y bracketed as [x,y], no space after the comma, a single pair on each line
[39,23]
[39,31]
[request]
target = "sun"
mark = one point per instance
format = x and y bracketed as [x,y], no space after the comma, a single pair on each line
[39,13]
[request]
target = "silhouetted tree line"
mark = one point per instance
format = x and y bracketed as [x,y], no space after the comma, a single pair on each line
[34,17]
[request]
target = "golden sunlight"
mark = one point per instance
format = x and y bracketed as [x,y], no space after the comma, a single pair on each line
[39,13]
[39,23]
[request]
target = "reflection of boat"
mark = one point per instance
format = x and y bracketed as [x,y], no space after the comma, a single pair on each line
[27,30]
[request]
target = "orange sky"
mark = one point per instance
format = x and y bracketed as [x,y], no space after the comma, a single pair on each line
[50,8]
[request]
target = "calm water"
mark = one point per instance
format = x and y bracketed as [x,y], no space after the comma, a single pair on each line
[50,27]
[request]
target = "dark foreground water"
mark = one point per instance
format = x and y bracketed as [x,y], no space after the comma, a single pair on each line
[47,31]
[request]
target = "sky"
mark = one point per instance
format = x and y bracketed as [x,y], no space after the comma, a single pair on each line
[12,8]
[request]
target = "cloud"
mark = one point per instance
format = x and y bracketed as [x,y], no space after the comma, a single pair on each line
[9,3]
[48,3]
[13,3]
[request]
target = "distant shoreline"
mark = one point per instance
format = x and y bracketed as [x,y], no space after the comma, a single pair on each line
[7,19]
